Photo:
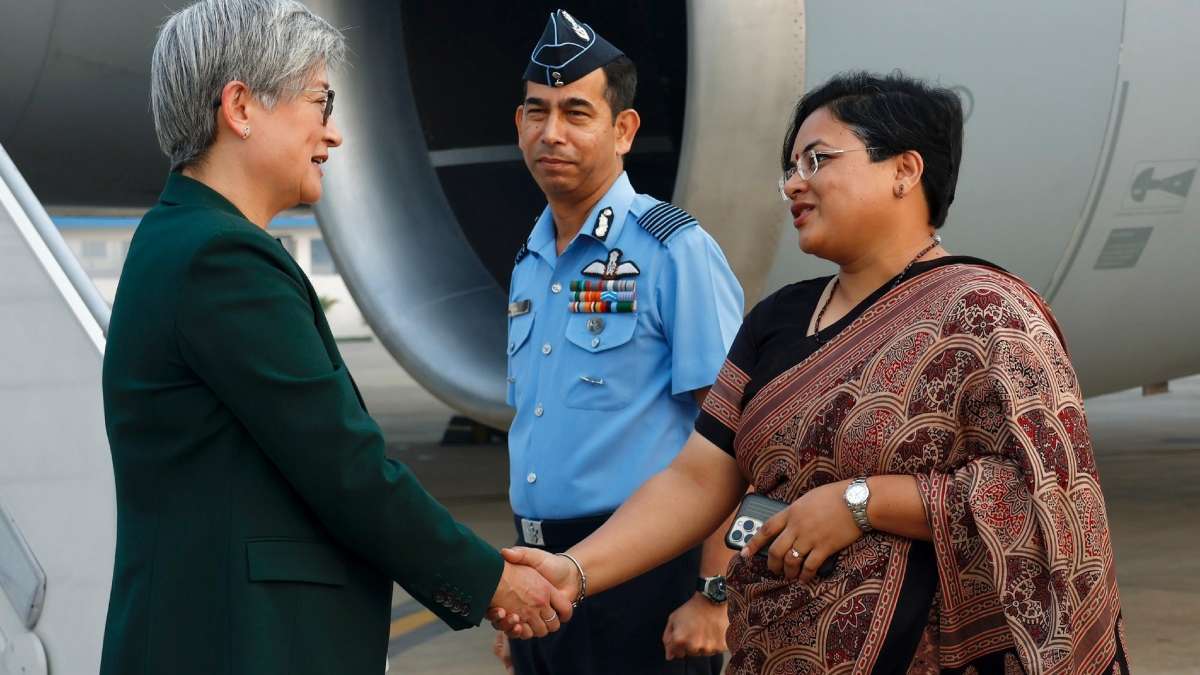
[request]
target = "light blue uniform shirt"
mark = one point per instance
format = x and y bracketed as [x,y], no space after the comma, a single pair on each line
[600,408]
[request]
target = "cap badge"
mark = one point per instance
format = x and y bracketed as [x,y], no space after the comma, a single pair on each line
[579,30]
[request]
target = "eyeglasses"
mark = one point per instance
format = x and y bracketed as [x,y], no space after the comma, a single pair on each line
[324,113]
[328,104]
[808,165]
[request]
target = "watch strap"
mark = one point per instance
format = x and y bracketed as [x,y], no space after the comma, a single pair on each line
[702,587]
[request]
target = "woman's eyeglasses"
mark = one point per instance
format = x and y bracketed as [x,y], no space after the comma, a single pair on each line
[328,104]
[808,165]
[328,110]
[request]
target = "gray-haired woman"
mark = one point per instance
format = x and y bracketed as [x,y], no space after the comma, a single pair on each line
[259,524]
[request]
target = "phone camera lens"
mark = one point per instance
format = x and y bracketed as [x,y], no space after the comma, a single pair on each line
[736,536]
[748,525]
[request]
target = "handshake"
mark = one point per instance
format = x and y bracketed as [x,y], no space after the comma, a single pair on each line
[537,593]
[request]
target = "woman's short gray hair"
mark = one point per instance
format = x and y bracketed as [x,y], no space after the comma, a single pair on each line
[270,45]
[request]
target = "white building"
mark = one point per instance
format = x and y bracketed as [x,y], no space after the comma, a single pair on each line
[102,241]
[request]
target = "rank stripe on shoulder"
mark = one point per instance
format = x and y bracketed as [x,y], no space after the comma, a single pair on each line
[524,251]
[664,220]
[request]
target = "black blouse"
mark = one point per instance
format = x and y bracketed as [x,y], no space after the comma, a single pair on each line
[773,336]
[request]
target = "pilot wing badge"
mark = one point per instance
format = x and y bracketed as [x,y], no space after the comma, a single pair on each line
[613,268]
[611,292]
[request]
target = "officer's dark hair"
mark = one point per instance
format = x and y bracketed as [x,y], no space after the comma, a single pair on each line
[621,89]
[895,113]
[620,76]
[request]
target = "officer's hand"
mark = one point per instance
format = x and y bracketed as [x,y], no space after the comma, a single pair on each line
[501,650]
[696,628]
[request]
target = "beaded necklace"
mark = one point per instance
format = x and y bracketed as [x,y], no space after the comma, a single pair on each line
[937,239]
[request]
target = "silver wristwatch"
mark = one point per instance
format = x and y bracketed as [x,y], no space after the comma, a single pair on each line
[857,496]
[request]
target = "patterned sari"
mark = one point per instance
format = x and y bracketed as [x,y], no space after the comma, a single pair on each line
[960,378]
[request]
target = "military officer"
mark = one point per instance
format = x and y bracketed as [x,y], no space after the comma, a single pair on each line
[621,311]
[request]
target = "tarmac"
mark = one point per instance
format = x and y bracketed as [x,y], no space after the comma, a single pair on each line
[1147,449]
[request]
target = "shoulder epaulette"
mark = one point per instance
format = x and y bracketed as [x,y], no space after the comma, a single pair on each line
[664,219]
[522,252]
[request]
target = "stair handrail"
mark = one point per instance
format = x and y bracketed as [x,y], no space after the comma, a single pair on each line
[58,248]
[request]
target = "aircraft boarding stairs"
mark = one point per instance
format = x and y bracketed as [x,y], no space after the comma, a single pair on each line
[57,507]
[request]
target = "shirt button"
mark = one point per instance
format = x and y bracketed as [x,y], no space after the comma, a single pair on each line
[546,348]
[537,412]
[531,478]
[556,287]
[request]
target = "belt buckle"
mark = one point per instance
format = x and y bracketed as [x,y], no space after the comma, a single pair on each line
[531,532]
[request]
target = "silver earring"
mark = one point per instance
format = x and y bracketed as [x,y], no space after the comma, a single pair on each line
[245,133]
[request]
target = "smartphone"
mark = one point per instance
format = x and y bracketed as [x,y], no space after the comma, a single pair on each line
[753,512]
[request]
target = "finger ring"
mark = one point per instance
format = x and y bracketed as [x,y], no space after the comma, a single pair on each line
[553,617]
[795,554]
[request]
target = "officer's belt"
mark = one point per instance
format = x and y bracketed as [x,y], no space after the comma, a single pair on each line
[556,535]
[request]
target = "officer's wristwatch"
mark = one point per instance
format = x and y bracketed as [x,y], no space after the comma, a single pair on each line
[712,588]
[857,496]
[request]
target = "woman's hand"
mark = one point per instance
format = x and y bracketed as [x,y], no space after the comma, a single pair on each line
[556,569]
[527,603]
[813,528]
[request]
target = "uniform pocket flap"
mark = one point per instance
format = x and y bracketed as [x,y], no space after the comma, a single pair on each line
[598,332]
[295,560]
[518,331]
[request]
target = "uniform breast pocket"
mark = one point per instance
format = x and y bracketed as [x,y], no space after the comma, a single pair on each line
[603,373]
[519,328]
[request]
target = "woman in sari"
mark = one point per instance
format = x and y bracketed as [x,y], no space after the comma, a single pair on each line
[919,413]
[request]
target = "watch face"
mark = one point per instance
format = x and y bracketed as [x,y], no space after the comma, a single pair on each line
[715,589]
[857,493]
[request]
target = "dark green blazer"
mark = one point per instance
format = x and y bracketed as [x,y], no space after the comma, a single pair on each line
[259,524]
